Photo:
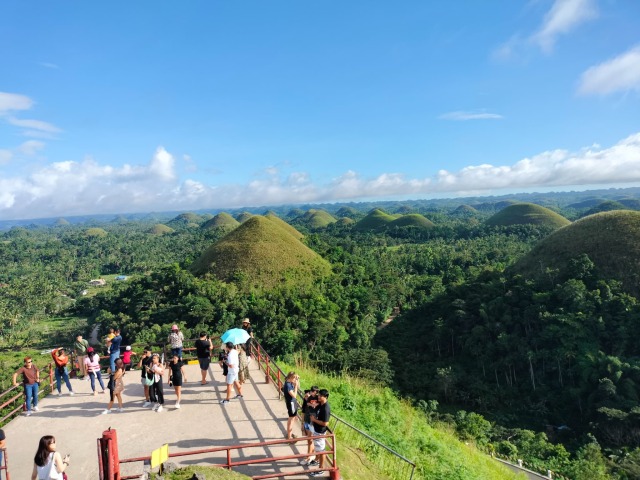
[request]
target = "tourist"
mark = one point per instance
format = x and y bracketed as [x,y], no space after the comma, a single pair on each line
[116,386]
[108,337]
[243,374]
[246,325]
[175,339]
[92,366]
[309,406]
[30,381]
[126,357]
[80,350]
[61,360]
[290,390]
[155,391]
[176,377]
[3,447]
[222,361]
[114,349]
[320,422]
[47,463]
[147,376]
[203,352]
[232,375]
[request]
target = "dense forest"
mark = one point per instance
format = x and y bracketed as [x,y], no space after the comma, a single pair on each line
[528,361]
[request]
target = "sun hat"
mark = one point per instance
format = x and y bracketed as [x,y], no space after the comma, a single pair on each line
[246,320]
[175,327]
[90,349]
[128,347]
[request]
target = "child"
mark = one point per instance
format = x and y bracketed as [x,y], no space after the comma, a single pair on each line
[126,357]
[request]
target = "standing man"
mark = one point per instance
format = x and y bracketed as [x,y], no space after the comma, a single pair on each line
[203,350]
[233,362]
[146,361]
[175,340]
[246,325]
[319,423]
[30,380]
[114,349]
[80,348]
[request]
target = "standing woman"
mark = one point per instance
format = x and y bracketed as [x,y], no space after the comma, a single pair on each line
[116,386]
[92,365]
[155,391]
[48,464]
[246,325]
[243,375]
[61,360]
[290,390]
[175,339]
[176,376]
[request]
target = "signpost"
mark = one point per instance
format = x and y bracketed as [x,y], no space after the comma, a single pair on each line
[159,456]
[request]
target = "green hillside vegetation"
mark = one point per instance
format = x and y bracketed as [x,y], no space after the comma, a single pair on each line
[527,214]
[606,206]
[412,220]
[206,217]
[587,203]
[375,220]
[434,448]
[186,219]
[346,221]
[403,209]
[160,229]
[221,220]
[630,203]
[465,210]
[243,217]
[95,232]
[349,212]
[295,212]
[611,240]
[61,222]
[262,252]
[317,218]
[285,226]
[120,220]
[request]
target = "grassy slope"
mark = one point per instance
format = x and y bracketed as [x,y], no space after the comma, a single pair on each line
[394,422]
[527,213]
[375,220]
[318,218]
[413,220]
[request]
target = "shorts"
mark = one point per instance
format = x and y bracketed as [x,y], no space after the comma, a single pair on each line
[176,380]
[292,408]
[308,427]
[142,382]
[232,376]
[204,363]
[319,444]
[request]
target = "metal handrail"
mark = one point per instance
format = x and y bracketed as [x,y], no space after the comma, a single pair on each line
[263,357]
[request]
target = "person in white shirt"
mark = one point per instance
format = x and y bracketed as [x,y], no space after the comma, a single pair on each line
[233,362]
[92,365]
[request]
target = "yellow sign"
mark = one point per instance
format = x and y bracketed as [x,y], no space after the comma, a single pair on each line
[160,455]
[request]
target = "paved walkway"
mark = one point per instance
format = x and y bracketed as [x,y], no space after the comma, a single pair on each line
[202,422]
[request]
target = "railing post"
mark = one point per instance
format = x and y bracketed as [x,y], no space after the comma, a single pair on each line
[228,459]
[108,452]
[279,384]
[335,473]
[267,374]
[51,377]
[5,467]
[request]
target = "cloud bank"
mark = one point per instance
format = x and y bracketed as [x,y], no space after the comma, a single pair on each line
[86,187]
[620,74]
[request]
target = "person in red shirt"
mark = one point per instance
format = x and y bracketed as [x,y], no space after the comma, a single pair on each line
[30,381]
[126,357]
[61,360]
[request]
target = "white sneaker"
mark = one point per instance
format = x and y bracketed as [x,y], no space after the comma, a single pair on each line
[36,409]
[146,404]
[177,405]
[120,410]
[155,406]
[71,392]
[159,408]
[59,393]
[28,414]
[105,412]
[304,461]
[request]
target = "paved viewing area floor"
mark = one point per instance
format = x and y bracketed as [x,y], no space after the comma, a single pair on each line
[202,422]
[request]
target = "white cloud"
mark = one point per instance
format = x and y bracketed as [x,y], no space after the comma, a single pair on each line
[463,116]
[30,147]
[620,74]
[564,16]
[14,101]
[69,188]
[37,125]
[5,156]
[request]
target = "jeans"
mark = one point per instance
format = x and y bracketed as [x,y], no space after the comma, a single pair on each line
[156,393]
[61,373]
[92,376]
[31,392]
[112,360]
[176,351]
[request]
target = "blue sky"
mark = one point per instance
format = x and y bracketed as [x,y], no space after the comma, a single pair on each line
[115,107]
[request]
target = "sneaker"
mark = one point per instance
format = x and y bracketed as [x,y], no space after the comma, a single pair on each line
[155,406]
[177,405]
[59,393]
[239,397]
[159,408]
[222,402]
[317,474]
[120,410]
[72,393]
[36,409]
[145,404]
[28,414]
[105,412]
[314,463]
[304,462]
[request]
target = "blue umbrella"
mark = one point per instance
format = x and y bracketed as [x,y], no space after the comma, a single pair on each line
[235,336]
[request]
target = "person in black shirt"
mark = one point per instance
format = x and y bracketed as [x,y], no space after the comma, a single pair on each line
[309,406]
[203,350]
[222,359]
[290,390]
[145,361]
[177,376]
[246,325]
[319,422]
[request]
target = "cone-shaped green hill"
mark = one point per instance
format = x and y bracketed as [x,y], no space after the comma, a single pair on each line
[160,229]
[263,251]
[186,220]
[243,217]
[527,214]
[610,239]
[465,209]
[95,232]
[347,212]
[317,218]
[61,222]
[221,220]
[376,219]
[412,220]
[285,226]
[606,206]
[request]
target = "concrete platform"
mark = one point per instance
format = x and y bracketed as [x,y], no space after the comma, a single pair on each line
[76,422]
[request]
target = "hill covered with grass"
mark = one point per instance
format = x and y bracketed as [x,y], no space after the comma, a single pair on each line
[221,220]
[160,229]
[264,252]
[611,240]
[243,217]
[527,214]
[412,220]
[375,220]
[316,218]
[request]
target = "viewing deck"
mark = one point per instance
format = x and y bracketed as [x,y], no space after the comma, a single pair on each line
[201,422]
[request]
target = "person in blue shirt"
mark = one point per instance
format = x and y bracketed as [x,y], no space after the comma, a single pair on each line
[114,349]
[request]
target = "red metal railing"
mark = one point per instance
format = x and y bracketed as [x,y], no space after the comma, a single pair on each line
[18,393]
